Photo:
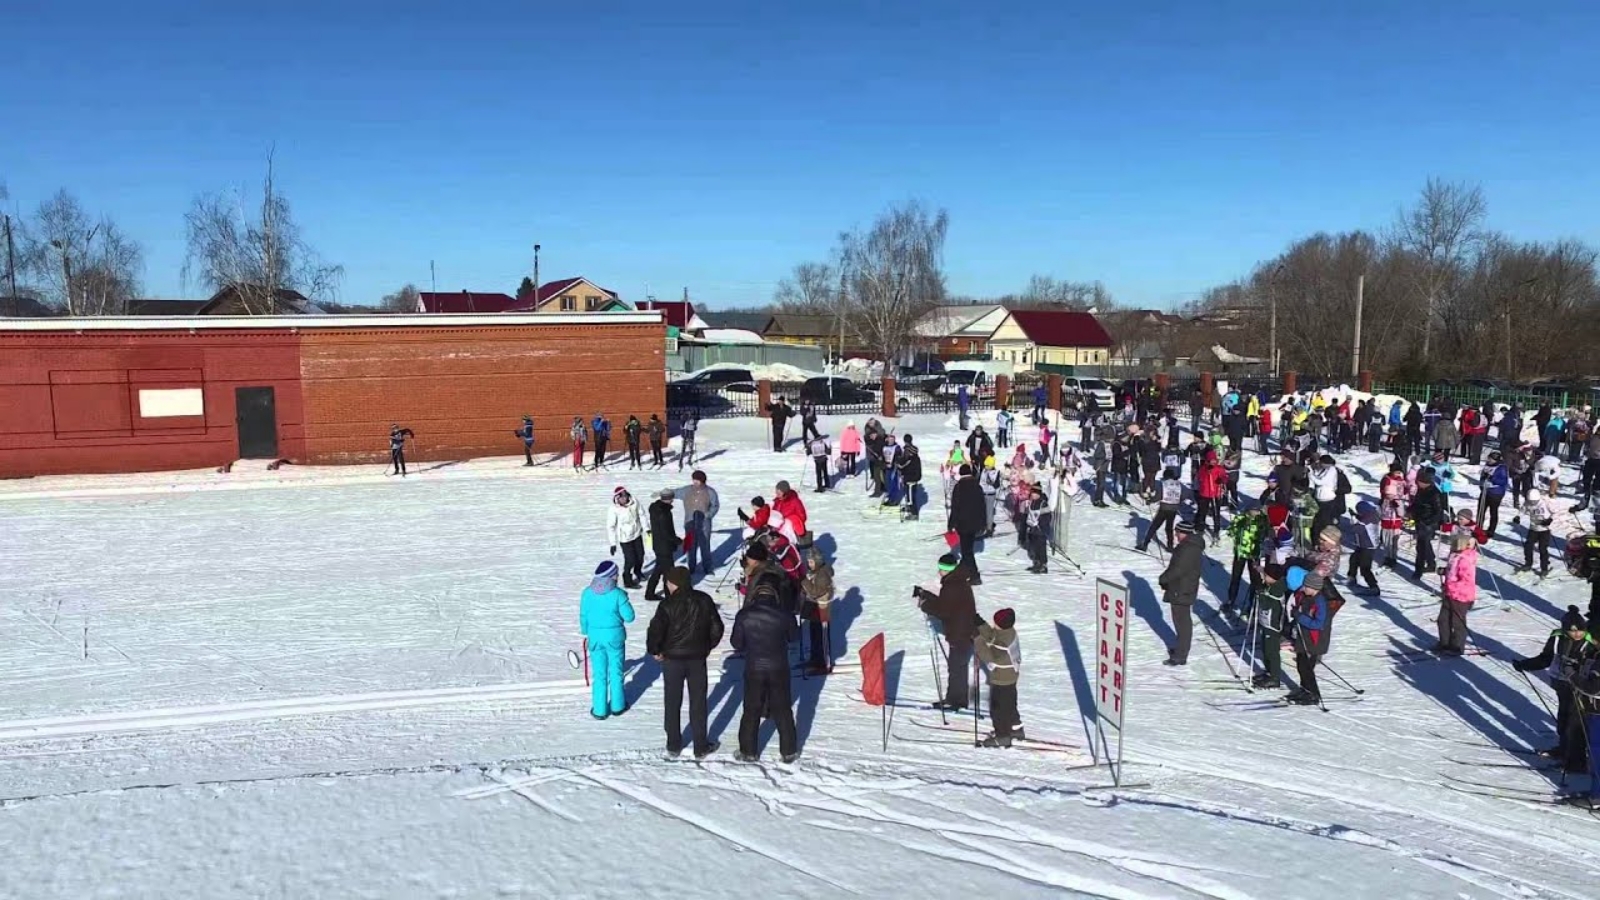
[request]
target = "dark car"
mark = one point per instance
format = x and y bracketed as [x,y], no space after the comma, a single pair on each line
[835,392]
[722,378]
[682,397]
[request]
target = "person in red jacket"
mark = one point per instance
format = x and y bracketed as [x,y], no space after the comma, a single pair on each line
[788,504]
[1473,428]
[1213,486]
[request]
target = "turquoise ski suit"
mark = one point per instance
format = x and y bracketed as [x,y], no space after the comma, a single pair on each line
[603,611]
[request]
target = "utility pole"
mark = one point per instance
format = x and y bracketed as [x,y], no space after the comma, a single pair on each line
[11,269]
[1272,301]
[1355,355]
[535,277]
[433,276]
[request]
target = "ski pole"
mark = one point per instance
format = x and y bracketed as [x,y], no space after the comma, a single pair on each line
[933,660]
[977,695]
[586,662]
[1538,693]
[1323,662]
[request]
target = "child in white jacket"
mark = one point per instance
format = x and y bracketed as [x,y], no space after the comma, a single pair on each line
[1540,513]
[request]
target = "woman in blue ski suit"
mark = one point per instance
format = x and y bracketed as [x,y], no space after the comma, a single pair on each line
[603,613]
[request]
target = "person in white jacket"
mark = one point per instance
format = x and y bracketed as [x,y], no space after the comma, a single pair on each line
[1540,513]
[625,529]
[1547,474]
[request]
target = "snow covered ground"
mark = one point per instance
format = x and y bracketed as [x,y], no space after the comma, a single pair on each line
[329,683]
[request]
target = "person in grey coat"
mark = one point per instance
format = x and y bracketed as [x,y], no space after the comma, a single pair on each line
[1180,584]
[700,506]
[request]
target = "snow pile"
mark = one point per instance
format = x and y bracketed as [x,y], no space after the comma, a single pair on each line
[730,336]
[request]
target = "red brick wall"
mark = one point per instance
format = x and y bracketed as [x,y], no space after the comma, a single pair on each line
[465,390]
[69,401]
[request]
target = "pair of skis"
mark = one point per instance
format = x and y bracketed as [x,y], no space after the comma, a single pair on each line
[959,738]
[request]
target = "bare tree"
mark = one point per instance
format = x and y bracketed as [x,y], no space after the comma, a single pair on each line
[1442,230]
[86,267]
[892,274]
[1045,292]
[813,288]
[261,255]
[405,300]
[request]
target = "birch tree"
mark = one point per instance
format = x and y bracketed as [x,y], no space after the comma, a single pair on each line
[891,274]
[82,265]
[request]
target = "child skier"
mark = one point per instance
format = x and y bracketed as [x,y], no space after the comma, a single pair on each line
[1167,513]
[1269,624]
[1246,532]
[1493,483]
[631,432]
[580,436]
[603,614]
[817,588]
[686,435]
[1000,654]
[397,448]
[1540,513]
[1003,422]
[819,451]
[1393,496]
[849,449]
[1460,589]
[1369,531]
[657,430]
[525,431]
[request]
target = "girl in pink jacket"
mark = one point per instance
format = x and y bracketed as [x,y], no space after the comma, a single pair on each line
[1460,590]
[849,448]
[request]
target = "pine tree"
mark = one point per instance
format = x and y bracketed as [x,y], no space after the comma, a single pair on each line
[525,290]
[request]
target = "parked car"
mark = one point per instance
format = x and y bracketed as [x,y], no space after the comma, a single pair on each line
[973,380]
[709,401]
[836,391]
[1079,389]
[721,378]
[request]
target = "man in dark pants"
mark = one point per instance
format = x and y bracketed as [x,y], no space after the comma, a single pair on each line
[1428,511]
[957,612]
[762,632]
[526,433]
[683,632]
[969,518]
[908,463]
[1181,584]
[1565,653]
[397,448]
[1312,623]
[663,541]
[780,414]
[600,430]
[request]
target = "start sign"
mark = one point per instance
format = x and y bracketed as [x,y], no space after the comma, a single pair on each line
[1111,639]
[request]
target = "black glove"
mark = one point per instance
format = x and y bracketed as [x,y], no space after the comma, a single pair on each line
[977,619]
[1521,665]
[742,516]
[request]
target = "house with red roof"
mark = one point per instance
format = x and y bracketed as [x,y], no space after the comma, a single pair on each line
[464,302]
[1050,340]
[570,295]
[677,314]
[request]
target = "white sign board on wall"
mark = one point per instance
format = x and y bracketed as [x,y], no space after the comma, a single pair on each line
[166,403]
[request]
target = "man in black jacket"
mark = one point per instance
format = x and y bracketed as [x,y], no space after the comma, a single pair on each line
[1565,653]
[762,632]
[683,632]
[781,413]
[908,462]
[957,612]
[663,541]
[1181,586]
[1428,512]
[969,518]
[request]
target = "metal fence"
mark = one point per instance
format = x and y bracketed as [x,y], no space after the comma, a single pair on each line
[694,357]
[1559,396]
[711,403]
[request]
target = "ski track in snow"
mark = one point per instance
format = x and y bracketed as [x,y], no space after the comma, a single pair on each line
[399,627]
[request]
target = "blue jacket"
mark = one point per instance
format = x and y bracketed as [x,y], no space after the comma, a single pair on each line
[604,612]
[600,428]
[1038,396]
[526,432]
[1444,475]
[1499,480]
[961,397]
[1394,414]
[1315,617]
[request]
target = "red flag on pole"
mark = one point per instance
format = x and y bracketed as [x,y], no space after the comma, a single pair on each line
[872,677]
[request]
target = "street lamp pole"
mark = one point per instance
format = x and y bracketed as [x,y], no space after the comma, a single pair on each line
[536,277]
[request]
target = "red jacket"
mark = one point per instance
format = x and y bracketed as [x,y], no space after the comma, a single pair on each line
[1213,480]
[786,556]
[792,509]
[1472,422]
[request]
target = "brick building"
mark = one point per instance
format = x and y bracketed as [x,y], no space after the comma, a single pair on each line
[150,393]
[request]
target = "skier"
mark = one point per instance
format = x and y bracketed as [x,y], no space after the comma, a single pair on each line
[682,633]
[967,519]
[657,431]
[632,431]
[1000,654]
[1547,473]
[817,589]
[989,481]
[1180,582]
[1369,532]
[876,441]
[1446,438]
[1038,517]
[1269,619]
[979,447]
[908,463]
[963,403]
[526,433]
[580,436]
[1578,434]
[1330,486]
[1566,651]
[764,518]
[664,541]
[780,414]
[849,449]
[1265,431]
[686,438]
[397,448]
[817,448]
[1591,467]
[787,503]
[762,632]
[1213,483]
[1460,589]
[1540,514]
[603,613]
[1510,431]
[1100,459]
[700,506]
[1313,630]
[956,611]
[1473,429]
[1541,424]
[1493,483]
[600,429]
[1246,532]
[625,528]
[1167,513]
[808,421]
[1428,512]
[1003,423]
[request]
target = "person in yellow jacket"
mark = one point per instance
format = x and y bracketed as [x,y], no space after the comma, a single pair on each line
[1253,413]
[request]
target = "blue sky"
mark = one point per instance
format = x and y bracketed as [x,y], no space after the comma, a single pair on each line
[1160,147]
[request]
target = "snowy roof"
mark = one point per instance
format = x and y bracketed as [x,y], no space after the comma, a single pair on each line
[950,321]
[730,336]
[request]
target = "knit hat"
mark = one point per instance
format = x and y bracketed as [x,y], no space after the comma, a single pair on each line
[667,494]
[1572,619]
[758,502]
[619,492]
[1312,583]
[948,562]
[758,552]
[605,578]
[1331,533]
[1005,618]
[965,470]
[783,487]
[1277,514]
[988,462]
[1185,528]
[678,577]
